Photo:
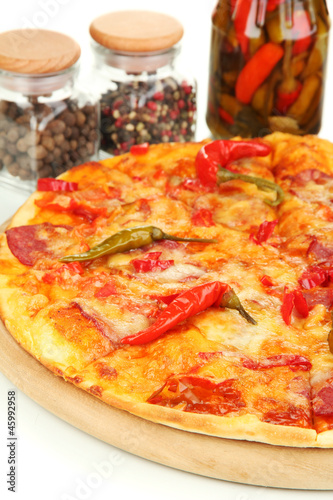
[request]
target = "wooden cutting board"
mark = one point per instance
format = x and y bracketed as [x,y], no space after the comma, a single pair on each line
[238,461]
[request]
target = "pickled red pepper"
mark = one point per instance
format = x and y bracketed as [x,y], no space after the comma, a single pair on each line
[257,70]
[302,30]
[242,11]
[285,99]
[188,304]
[272,4]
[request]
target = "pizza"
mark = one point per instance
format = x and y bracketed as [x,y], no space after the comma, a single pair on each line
[189,284]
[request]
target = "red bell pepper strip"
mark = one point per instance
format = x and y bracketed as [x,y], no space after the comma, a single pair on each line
[151,263]
[301,304]
[106,290]
[265,231]
[186,305]
[255,72]
[203,217]
[139,149]
[220,153]
[286,99]
[293,299]
[72,268]
[287,306]
[266,280]
[313,277]
[241,17]
[50,184]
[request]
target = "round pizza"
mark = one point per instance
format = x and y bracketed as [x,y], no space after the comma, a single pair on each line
[189,284]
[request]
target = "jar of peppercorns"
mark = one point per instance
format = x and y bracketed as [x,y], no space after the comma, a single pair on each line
[47,125]
[267,67]
[143,97]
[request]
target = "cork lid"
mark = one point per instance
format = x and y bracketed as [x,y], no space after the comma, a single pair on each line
[136,31]
[37,51]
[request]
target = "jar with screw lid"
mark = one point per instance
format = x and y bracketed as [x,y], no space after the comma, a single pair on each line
[47,124]
[267,67]
[143,96]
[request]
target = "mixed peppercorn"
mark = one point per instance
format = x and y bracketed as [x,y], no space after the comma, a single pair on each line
[153,111]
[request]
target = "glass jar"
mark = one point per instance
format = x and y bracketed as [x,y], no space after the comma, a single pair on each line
[143,97]
[47,125]
[267,67]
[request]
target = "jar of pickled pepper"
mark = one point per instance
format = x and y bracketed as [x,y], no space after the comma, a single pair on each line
[267,67]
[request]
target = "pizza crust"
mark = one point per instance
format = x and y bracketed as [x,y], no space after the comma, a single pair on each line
[245,427]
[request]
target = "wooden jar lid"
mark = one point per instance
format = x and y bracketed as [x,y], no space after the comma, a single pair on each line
[136,31]
[37,51]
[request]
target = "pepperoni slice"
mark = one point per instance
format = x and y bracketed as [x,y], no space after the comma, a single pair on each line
[199,395]
[203,217]
[319,250]
[293,416]
[323,401]
[316,296]
[27,242]
[294,361]
[310,174]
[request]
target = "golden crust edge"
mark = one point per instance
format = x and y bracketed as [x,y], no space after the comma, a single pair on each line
[325,439]
[25,213]
[245,427]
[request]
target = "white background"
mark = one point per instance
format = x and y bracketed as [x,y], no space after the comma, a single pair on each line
[55,460]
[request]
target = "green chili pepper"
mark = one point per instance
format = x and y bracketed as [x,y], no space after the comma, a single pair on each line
[224,175]
[129,239]
[231,301]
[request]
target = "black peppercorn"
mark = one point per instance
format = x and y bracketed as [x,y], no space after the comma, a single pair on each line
[24,141]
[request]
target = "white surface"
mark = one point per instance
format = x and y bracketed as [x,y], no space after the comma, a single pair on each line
[55,461]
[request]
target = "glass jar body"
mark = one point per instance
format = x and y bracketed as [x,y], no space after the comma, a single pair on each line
[267,67]
[47,126]
[143,98]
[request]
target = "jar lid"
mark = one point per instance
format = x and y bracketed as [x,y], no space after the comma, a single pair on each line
[37,51]
[136,31]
